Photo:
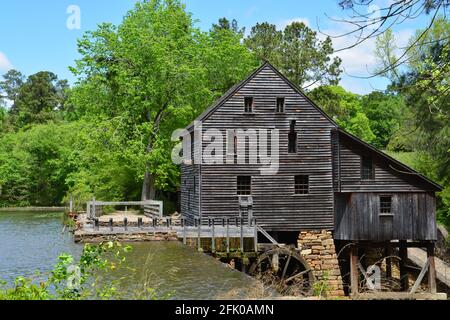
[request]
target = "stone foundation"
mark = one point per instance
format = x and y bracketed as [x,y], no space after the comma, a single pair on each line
[317,247]
[124,237]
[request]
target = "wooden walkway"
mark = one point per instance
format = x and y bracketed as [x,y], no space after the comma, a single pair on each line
[419,257]
[226,232]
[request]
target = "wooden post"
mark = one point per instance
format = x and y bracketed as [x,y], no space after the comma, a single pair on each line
[183,224]
[242,234]
[140,223]
[431,268]
[255,235]
[213,240]
[199,230]
[94,213]
[403,252]
[388,253]
[71,204]
[354,270]
[125,223]
[228,235]
[111,224]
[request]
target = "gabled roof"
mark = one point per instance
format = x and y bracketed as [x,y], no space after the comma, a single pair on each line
[238,86]
[434,186]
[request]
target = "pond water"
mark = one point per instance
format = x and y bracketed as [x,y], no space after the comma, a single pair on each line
[32,241]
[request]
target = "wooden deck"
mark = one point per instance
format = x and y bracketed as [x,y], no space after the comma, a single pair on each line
[158,229]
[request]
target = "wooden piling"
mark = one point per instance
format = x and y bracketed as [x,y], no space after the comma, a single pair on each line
[387,253]
[199,230]
[403,253]
[213,240]
[255,235]
[354,270]
[241,234]
[431,268]
[228,235]
[183,224]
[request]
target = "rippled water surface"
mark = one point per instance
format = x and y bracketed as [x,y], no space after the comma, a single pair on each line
[31,241]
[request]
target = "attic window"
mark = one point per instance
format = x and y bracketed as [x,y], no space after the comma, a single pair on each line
[292,138]
[367,170]
[280,105]
[244,185]
[248,104]
[385,205]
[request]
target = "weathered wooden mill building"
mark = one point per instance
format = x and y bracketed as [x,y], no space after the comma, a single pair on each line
[327,180]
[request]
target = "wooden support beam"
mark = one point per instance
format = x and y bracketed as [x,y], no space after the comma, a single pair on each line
[255,235]
[213,240]
[183,223]
[228,235]
[199,231]
[431,268]
[403,252]
[241,242]
[388,253]
[420,277]
[354,270]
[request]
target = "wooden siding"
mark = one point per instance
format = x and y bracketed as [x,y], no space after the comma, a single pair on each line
[388,176]
[190,192]
[274,203]
[357,217]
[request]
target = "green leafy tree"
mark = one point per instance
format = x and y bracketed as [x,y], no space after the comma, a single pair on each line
[150,75]
[265,42]
[10,86]
[345,108]
[305,59]
[38,99]
[385,113]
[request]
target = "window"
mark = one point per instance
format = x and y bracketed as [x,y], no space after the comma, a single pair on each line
[280,104]
[301,184]
[385,205]
[367,172]
[248,104]
[292,138]
[244,185]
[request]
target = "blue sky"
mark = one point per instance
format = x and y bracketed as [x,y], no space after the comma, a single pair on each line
[34,35]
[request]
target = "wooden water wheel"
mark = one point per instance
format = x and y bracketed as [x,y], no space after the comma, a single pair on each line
[285,270]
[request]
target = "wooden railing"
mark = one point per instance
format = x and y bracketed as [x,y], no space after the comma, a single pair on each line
[152,208]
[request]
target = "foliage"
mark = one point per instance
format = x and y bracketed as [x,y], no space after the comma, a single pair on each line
[345,108]
[321,288]
[297,52]
[72,281]
[385,113]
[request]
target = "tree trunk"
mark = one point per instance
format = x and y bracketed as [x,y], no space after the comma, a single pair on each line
[148,187]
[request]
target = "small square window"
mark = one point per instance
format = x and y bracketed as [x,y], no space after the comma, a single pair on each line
[301,184]
[280,105]
[367,170]
[248,104]
[244,185]
[385,204]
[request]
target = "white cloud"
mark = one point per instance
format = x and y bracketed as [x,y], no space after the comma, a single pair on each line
[5,64]
[284,23]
